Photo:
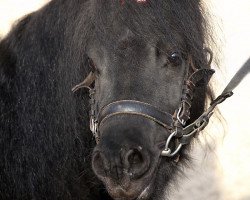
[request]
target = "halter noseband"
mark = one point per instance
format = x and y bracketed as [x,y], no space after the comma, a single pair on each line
[175,123]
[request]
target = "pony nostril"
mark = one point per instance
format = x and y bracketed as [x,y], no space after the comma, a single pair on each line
[134,157]
[99,164]
[136,162]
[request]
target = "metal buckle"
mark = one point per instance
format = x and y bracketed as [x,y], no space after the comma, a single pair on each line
[182,121]
[93,126]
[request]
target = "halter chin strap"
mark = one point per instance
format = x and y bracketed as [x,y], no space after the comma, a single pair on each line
[175,124]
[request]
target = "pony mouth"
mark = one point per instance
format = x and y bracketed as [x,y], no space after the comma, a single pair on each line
[142,196]
[132,193]
[145,192]
[125,196]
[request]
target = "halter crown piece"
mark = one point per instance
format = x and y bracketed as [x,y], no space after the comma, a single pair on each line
[181,133]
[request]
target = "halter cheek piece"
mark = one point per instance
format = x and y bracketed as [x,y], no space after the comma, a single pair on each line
[176,123]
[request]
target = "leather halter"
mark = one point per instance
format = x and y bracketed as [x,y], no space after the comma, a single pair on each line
[174,123]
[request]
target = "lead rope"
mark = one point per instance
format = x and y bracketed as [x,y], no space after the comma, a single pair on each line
[199,124]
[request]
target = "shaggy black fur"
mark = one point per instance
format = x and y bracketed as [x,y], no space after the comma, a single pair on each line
[45,142]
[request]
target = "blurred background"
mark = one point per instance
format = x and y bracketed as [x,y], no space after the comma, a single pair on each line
[221,168]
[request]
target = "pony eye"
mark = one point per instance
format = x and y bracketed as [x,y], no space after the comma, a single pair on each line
[175,59]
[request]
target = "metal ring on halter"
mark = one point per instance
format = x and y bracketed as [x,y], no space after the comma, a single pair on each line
[167,151]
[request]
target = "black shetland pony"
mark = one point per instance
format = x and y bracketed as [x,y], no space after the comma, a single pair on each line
[138,51]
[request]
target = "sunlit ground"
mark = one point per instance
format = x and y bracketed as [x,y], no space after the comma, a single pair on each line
[223,174]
